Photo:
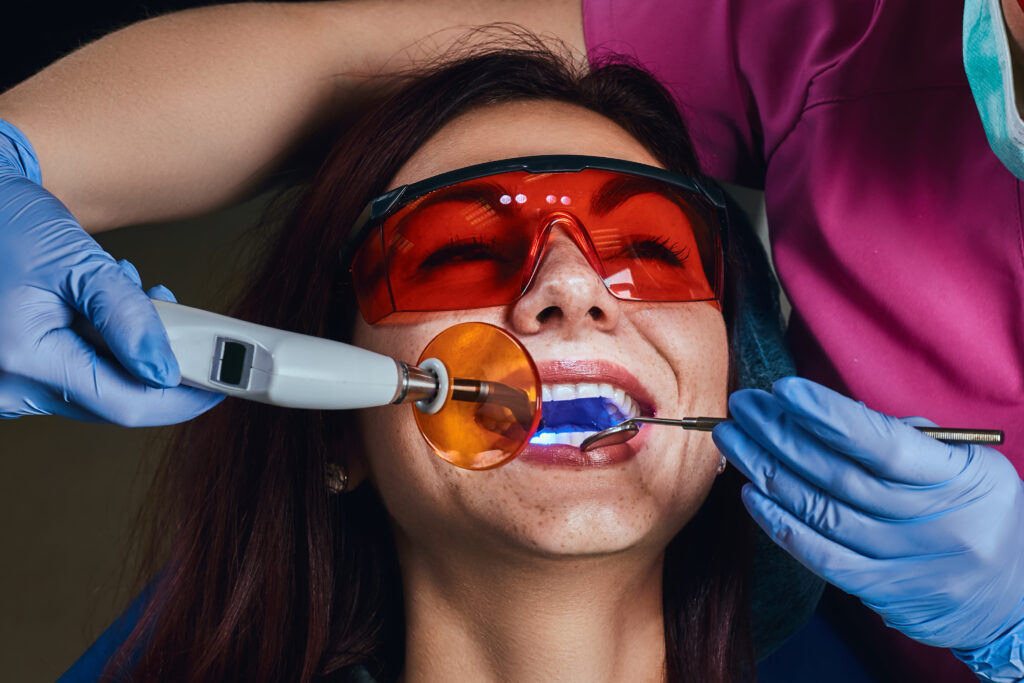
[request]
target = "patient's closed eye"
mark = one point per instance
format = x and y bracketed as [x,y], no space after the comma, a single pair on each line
[661,248]
[463,251]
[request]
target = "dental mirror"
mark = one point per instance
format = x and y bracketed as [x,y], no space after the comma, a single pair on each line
[620,433]
[627,429]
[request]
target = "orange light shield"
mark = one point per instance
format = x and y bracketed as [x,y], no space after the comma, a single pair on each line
[494,406]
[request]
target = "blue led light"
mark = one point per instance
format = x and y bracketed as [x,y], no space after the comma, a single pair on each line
[576,415]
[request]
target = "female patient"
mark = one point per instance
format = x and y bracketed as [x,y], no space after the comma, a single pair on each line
[297,545]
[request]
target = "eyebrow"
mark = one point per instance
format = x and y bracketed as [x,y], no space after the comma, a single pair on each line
[618,190]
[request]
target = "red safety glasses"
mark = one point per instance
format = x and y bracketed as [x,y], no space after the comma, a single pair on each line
[475,237]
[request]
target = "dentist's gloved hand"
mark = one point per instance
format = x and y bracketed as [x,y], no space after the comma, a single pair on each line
[51,270]
[929,535]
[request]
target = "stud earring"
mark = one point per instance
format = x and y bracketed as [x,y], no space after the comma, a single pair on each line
[721,466]
[336,478]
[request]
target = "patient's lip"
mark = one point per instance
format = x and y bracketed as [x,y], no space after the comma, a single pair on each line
[597,371]
[558,455]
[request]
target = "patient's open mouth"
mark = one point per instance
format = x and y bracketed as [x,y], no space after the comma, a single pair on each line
[572,412]
[581,397]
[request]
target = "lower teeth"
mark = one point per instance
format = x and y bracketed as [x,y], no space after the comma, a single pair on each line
[562,438]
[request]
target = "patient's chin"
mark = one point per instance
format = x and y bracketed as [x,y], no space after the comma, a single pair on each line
[565,516]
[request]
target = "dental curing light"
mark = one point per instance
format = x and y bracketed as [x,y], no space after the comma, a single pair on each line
[627,429]
[475,388]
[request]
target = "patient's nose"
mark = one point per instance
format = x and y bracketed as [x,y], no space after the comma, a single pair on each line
[565,293]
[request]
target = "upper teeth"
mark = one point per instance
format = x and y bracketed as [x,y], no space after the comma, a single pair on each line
[566,392]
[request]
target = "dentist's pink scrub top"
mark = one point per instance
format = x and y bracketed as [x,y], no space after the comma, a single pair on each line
[895,230]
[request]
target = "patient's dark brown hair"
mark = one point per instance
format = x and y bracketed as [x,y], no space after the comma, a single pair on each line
[262,574]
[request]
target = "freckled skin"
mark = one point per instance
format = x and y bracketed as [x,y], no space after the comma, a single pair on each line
[678,350]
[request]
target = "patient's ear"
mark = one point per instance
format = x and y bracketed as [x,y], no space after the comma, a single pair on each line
[357,469]
[346,476]
[345,467]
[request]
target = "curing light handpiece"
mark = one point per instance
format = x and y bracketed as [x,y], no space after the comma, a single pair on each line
[288,369]
[476,389]
[268,365]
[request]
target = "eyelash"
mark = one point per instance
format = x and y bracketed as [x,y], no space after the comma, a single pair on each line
[679,254]
[456,248]
[668,251]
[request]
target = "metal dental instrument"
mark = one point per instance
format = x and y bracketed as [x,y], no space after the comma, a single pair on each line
[627,429]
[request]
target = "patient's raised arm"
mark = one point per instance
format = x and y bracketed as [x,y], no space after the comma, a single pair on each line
[177,115]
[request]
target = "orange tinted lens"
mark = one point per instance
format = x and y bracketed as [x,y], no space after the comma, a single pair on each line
[462,250]
[495,397]
[654,249]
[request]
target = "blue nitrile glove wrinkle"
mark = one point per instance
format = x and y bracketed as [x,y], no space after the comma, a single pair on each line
[17,153]
[1000,662]
[927,534]
[52,270]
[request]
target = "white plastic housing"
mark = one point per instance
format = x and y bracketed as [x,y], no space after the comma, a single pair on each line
[268,365]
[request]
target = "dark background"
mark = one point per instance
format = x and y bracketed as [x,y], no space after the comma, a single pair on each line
[37,33]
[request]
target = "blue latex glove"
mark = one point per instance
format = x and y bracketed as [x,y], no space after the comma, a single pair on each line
[51,269]
[929,535]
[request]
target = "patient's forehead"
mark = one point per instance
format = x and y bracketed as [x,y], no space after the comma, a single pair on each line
[517,129]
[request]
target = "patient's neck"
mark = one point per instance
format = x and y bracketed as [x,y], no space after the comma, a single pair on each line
[584,619]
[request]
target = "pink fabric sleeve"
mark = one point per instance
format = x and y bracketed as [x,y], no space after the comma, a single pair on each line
[896,232]
[744,65]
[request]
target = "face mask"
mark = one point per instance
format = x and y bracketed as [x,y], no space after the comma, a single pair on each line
[989,71]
